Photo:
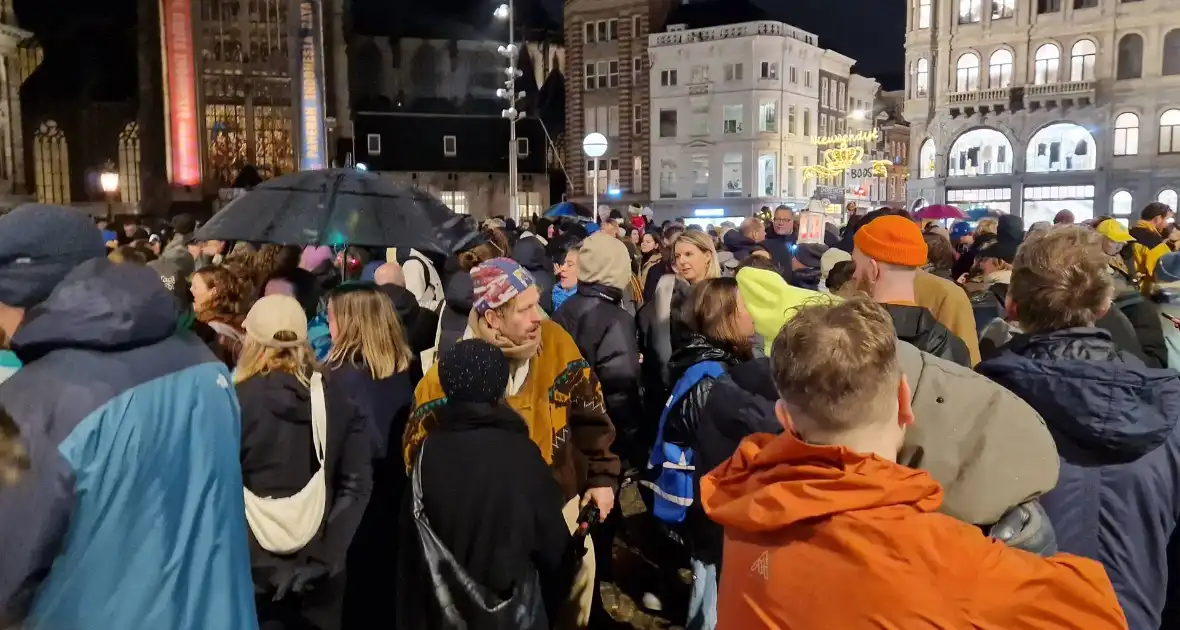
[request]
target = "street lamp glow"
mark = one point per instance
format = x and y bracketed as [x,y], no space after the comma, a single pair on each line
[109,181]
[502,12]
[860,113]
[594,145]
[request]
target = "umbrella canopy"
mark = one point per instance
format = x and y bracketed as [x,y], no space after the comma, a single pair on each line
[569,209]
[939,212]
[341,207]
[976,214]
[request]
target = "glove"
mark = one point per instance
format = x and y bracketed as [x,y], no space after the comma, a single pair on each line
[299,580]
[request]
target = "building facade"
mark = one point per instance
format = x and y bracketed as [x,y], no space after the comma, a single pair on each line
[461,159]
[21,56]
[1033,106]
[607,91]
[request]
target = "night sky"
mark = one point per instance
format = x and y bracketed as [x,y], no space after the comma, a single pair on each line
[84,38]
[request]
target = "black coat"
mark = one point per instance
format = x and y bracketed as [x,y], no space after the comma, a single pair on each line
[530,253]
[278,459]
[917,326]
[605,335]
[419,325]
[492,501]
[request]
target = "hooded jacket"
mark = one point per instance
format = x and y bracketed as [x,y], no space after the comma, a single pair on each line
[530,253]
[132,513]
[915,325]
[1114,422]
[1147,250]
[739,244]
[803,522]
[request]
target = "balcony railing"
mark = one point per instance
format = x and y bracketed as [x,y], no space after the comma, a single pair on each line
[996,95]
[1066,88]
[749,29]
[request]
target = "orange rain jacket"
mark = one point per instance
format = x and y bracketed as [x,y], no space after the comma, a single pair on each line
[823,538]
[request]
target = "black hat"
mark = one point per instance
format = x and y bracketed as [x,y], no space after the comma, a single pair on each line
[1003,248]
[473,371]
[184,224]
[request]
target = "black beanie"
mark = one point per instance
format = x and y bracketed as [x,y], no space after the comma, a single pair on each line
[473,371]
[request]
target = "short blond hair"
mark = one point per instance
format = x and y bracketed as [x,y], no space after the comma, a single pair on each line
[259,360]
[370,334]
[1060,279]
[987,225]
[701,241]
[837,365]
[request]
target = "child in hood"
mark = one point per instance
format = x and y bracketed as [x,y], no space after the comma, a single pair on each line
[828,495]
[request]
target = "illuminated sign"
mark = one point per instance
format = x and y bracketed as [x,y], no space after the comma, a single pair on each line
[185,155]
[709,212]
[312,150]
[847,138]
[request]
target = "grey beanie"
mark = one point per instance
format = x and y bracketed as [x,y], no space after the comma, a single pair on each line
[39,245]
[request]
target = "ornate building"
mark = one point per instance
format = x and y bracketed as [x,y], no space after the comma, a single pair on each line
[1033,106]
[21,56]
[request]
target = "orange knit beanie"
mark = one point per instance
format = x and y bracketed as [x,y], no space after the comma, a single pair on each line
[892,239]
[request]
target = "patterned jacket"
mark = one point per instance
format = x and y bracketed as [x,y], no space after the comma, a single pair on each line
[560,400]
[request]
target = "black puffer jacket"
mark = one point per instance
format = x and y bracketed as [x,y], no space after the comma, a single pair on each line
[605,335]
[460,296]
[684,419]
[530,253]
[917,326]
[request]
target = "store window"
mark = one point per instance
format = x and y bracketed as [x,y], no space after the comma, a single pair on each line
[731,171]
[700,176]
[767,169]
[1042,203]
[1126,134]
[967,73]
[1060,147]
[1000,69]
[1167,197]
[981,151]
[1082,58]
[998,199]
[1047,65]
[1121,207]
[926,159]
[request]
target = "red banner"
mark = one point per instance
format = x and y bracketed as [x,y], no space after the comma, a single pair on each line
[182,92]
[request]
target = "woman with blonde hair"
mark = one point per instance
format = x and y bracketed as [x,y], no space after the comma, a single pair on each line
[695,257]
[694,260]
[306,469]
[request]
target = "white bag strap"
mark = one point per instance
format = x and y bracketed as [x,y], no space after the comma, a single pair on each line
[319,417]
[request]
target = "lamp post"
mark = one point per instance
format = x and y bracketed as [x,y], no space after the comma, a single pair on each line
[108,180]
[509,93]
[594,145]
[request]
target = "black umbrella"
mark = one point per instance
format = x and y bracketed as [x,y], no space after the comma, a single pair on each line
[341,207]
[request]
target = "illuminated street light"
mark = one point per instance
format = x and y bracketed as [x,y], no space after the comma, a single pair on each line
[502,12]
[595,145]
[108,180]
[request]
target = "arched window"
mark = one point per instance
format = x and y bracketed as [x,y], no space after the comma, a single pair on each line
[51,161]
[1172,52]
[922,78]
[1130,62]
[1126,134]
[1082,57]
[1047,65]
[982,151]
[1060,147]
[1120,206]
[1170,131]
[129,164]
[1167,197]
[1000,69]
[926,159]
[967,73]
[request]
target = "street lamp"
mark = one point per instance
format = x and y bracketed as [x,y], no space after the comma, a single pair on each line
[108,180]
[594,145]
[509,93]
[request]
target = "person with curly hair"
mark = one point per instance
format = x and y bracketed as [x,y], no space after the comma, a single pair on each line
[221,299]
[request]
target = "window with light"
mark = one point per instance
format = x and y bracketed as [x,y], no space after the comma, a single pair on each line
[979,152]
[967,73]
[1060,147]
[1047,64]
[1126,134]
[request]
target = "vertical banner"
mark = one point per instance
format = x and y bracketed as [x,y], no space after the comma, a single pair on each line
[310,87]
[185,157]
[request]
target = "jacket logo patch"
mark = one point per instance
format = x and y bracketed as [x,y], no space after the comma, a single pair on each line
[761,566]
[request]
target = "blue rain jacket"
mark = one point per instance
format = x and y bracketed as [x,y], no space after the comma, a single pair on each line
[131,515]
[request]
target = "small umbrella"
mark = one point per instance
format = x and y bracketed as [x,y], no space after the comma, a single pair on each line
[341,207]
[938,213]
[976,214]
[569,209]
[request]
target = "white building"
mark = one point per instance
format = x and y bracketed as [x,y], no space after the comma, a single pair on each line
[733,112]
[1032,106]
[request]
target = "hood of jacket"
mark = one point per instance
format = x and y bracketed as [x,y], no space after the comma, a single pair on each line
[773,482]
[530,253]
[1010,227]
[1102,398]
[460,293]
[404,302]
[99,306]
[600,292]
[738,243]
[772,301]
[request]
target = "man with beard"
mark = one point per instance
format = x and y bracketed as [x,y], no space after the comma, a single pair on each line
[553,389]
[888,253]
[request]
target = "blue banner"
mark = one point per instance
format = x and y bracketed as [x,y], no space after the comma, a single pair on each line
[310,82]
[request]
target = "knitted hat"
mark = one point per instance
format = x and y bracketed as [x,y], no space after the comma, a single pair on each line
[894,240]
[497,281]
[810,255]
[1167,270]
[604,260]
[39,245]
[274,314]
[473,371]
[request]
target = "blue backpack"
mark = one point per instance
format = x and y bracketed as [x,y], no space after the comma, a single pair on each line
[671,467]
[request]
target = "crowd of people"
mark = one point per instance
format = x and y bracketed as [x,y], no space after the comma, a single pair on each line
[966,426]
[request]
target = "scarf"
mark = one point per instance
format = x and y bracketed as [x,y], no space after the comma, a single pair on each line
[514,351]
[561,294]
